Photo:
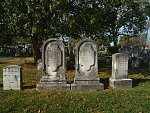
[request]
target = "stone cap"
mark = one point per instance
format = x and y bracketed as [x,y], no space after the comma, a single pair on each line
[12,66]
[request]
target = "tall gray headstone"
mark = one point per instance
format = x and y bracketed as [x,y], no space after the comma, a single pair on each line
[135,62]
[136,51]
[86,77]
[53,66]
[12,77]
[119,77]
[126,49]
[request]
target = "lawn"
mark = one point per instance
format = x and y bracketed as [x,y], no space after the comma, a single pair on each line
[109,100]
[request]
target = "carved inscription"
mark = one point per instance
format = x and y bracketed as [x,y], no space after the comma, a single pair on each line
[53,58]
[122,67]
[86,57]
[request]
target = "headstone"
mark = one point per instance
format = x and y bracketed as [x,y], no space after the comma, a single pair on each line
[136,51]
[12,77]
[126,49]
[53,66]
[86,77]
[100,53]
[66,51]
[72,56]
[145,57]
[108,59]
[119,77]
[18,51]
[39,67]
[135,62]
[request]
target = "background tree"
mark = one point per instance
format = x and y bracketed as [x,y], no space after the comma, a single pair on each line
[39,19]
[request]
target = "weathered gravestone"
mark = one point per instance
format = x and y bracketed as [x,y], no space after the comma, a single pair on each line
[119,77]
[86,77]
[53,66]
[72,56]
[145,57]
[39,66]
[108,59]
[135,57]
[135,62]
[126,49]
[136,51]
[12,77]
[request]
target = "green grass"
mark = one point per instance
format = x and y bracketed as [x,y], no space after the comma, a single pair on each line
[109,100]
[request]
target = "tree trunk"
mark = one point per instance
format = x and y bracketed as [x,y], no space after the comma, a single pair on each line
[36,48]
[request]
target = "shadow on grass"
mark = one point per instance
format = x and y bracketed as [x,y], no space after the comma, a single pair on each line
[144,72]
[3,62]
[29,87]
[105,81]
[136,82]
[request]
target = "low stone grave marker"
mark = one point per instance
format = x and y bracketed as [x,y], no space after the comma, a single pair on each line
[119,77]
[12,77]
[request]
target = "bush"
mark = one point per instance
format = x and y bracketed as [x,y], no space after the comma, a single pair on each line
[112,50]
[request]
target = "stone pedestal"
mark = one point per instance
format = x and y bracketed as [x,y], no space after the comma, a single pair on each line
[86,77]
[120,83]
[12,77]
[53,66]
[119,77]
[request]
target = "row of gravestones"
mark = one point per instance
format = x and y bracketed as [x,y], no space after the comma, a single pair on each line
[86,76]
[137,54]
[18,50]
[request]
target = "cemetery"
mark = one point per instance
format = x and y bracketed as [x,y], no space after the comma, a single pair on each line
[74,56]
[55,83]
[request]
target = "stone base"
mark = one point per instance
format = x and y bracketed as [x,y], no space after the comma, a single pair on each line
[52,86]
[120,83]
[83,87]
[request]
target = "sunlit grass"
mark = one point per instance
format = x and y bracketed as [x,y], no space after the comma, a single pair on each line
[109,100]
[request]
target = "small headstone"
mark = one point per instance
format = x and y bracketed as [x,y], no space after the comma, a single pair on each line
[53,66]
[136,51]
[145,57]
[86,77]
[135,62]
[108,59]
[12,77]
[39,67]
[119,77]
[72,56]
[126,49]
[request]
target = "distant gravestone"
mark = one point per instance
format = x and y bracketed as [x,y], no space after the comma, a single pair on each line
[108,59]
[145,57]
[86,77]
[119,77]
[39,67]
[135,62]
[53,66]
[12,77]
[72,56]
[126,49]
[136,51]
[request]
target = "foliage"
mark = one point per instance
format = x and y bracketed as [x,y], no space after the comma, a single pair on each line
[112,50]
[39,20]
[139,40]
[99,20]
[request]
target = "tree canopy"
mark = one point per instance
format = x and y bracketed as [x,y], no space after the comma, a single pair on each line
[99,20]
